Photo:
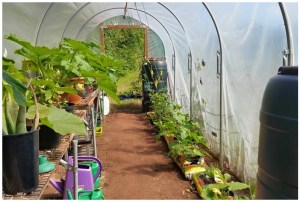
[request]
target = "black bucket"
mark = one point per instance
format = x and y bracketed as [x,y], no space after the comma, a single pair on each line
[49,139]
[277,176]
[20,162]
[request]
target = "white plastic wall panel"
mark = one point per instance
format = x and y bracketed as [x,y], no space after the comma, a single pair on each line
[21,20]
[253,38]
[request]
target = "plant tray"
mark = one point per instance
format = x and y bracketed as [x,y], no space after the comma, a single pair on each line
[200,184]
[187,169]
[99,131]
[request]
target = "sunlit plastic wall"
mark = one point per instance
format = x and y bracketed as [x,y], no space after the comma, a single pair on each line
[252,38]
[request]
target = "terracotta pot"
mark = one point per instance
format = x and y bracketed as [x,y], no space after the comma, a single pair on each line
[64,97]
[74,99]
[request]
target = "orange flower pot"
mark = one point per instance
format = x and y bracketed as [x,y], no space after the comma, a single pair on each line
[74,99]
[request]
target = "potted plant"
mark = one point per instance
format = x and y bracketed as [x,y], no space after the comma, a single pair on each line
[20,147]
[55,67]
[78,60]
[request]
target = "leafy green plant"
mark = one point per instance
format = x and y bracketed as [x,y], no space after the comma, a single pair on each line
[186,150]
[170,121]
[15,85]
[219,185]
[216,174]
[44,77]
[54,67]
[127,46]
[223,191]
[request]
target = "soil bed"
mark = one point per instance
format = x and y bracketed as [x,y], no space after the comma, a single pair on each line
[135,163]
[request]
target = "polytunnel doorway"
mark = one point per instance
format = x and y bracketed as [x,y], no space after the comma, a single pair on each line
[144,47]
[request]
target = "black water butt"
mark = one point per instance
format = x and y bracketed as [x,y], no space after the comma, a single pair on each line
[160,75]
[49,139]
[277,176]
[20,162]
[159,66]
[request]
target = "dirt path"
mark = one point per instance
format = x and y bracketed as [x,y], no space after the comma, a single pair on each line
[135,163]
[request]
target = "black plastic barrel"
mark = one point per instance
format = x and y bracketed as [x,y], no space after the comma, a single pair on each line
[277,176]
[49,139]
[159,66]
[20,164]
[155,81]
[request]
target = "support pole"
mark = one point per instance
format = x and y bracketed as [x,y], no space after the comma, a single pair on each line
[94,130]
[75,166]
[221,109]
[173,67]
[87,138]
[146,52]
[289,36]
[102,48]
[220,63]
[191,84]
[125,10]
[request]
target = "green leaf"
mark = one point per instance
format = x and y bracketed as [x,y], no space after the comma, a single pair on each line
[209,191]
[20,41]
[76,45]
[104,83]
[19,89]
[66,90]
[35,51]
[65,123]
[43,111]
[10,110]
[234,186]
[48,95]
[227,176]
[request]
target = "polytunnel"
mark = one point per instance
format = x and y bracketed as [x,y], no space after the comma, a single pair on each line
[220,56]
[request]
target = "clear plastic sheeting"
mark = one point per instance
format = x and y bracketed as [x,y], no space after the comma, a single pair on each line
[253,39]
[249,49]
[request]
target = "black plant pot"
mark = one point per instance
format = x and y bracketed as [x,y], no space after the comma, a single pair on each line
[20,164]
[49,139]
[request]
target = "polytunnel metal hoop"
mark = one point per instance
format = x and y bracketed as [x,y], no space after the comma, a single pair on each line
[71,18]
[289,53]
[220,65]
[39,29]
[190,70]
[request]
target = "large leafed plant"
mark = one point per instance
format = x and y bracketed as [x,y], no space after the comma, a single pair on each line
[54,67]
[15,85]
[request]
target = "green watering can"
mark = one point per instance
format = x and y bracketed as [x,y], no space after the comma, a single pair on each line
[87,195]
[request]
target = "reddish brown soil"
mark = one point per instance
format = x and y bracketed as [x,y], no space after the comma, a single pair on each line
[135,163]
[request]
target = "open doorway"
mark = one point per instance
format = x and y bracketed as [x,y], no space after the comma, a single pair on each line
[129,45]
